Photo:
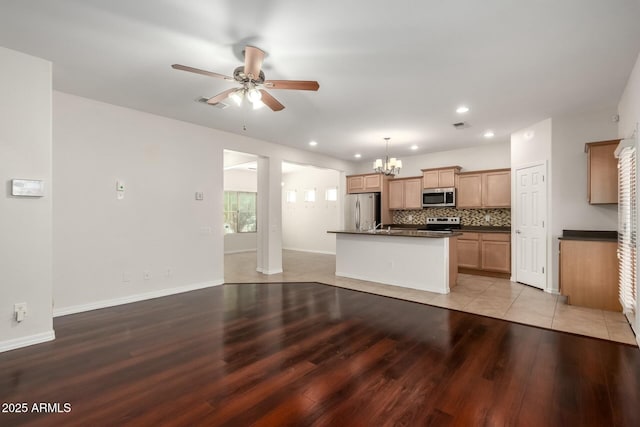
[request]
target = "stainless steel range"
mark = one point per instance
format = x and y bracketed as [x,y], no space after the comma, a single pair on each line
[446,223]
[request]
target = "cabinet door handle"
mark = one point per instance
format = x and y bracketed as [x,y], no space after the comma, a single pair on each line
[517,231]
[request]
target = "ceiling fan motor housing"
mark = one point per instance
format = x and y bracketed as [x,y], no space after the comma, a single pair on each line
[241,77]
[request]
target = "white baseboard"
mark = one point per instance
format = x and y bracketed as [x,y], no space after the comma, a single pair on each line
[310,251]
[240,251]
[27,341]
[57,312]
[260,270]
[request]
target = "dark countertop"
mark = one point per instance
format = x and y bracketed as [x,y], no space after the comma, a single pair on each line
[593,235]
[471,228]
[401,233]
[486,229]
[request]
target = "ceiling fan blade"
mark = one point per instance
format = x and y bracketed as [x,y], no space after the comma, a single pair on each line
[270,101]
[222,95]
[199,71]
[253,61]
[292,84]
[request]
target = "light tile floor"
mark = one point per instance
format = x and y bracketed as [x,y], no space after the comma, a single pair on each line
[499,298]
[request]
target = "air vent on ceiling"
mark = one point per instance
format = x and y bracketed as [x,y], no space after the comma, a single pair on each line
[220,105]
[461,125]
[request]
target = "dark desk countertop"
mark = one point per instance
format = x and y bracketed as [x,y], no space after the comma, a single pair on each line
[593,235]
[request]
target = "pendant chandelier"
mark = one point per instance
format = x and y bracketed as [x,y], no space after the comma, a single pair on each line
[388,166]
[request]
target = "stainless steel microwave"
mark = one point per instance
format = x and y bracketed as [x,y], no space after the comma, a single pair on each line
[438,197]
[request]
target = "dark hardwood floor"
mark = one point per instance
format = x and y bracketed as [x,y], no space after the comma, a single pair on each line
[305,354]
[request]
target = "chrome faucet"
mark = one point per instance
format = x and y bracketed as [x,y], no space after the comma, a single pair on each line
[375,227]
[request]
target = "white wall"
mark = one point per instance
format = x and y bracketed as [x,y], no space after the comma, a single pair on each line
[481,157]
[629,105]
[159,225]
[559,142]
[305,224]
[629,110]
[25,223]
[529,146]
[102,245]
[570,209]
[240,180]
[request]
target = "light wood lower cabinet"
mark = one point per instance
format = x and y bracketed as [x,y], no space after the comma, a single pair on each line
[485,252]
[495,252]
[469,250]
[589,273]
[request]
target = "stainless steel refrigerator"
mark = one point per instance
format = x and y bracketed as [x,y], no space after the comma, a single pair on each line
[362,211]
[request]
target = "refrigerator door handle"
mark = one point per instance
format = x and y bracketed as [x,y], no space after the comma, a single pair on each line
[358,214]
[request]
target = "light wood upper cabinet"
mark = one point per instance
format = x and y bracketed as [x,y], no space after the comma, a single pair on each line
[413,193]
[396,194]
[496,189]
[365,183]
[469,191]
[440,177]
[602,172]
[485,189]
[405,193]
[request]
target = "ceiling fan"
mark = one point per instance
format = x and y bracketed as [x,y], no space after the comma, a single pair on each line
[251,79]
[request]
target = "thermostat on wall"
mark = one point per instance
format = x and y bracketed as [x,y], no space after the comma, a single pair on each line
[27,188]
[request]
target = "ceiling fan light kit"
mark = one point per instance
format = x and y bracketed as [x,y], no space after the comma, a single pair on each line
[252,81]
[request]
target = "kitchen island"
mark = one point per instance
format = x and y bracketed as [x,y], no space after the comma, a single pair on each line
[424,260]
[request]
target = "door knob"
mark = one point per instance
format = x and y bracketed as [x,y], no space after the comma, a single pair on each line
[517,231]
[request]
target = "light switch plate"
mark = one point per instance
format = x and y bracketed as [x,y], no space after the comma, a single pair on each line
[27,188]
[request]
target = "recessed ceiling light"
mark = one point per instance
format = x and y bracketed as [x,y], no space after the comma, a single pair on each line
[357,155]
[414,147]
[313,143]
[462,109]
[489,134]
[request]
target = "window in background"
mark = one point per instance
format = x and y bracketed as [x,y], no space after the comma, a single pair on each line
[291,196]
[331,194]
[240,212]
[309,195]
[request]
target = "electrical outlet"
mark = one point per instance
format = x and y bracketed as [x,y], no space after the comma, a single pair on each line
[20,311]
[147,275]
[126,276]
[410,217]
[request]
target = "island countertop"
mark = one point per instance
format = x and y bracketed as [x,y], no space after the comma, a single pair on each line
[401,233]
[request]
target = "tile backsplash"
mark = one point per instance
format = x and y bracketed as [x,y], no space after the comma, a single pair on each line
[497,217]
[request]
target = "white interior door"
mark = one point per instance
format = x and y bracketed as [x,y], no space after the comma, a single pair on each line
[530,214]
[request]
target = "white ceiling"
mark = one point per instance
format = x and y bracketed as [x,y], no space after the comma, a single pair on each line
[395,69]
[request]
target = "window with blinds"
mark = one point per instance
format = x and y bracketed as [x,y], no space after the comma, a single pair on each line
[627,227]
